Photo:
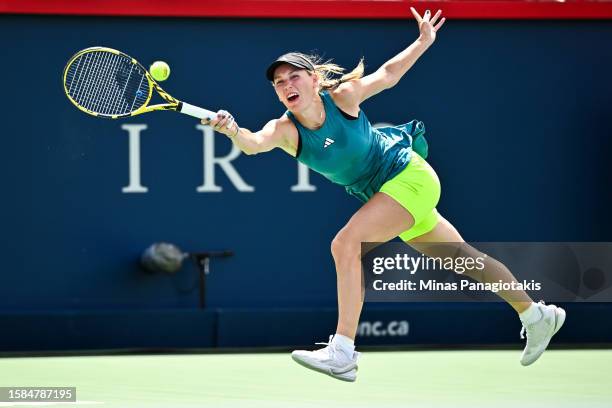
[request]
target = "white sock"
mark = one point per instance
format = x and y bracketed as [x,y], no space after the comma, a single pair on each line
[531,315]
[345,344]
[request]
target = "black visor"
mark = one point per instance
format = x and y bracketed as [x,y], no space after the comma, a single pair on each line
[293,58]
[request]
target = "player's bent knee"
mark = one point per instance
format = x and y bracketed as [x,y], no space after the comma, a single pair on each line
[345,245]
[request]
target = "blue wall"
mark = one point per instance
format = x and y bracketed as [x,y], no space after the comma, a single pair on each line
[517,117]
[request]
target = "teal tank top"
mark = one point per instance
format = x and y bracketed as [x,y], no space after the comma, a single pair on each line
[350,152]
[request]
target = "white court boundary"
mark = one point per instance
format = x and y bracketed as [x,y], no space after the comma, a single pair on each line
[40,404]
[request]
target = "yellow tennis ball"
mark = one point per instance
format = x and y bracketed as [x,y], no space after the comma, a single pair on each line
[160,71]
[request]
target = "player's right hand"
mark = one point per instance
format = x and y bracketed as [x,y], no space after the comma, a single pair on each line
[223,123]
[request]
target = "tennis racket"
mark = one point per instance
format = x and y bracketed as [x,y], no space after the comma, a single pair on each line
[109,84]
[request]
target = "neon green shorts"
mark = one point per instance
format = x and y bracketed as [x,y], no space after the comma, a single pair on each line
[417,189]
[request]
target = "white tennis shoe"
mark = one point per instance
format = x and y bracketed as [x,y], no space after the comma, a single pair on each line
[540,332]
[329,360]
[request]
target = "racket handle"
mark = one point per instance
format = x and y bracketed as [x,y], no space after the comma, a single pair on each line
[196,112]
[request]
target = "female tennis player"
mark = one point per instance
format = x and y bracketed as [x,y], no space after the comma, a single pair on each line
[325,129]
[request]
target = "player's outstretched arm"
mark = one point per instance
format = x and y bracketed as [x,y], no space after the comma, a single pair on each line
[266,139]
[389,74]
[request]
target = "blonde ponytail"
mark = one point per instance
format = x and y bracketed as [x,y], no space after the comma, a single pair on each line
[327,70]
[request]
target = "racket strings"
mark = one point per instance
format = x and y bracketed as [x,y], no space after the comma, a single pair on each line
[91,92]
[84,88]
[106,83]
[97,97]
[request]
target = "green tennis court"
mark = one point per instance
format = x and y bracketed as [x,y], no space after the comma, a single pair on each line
[562,378]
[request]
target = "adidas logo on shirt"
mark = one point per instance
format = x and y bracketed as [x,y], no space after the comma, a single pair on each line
[328,142]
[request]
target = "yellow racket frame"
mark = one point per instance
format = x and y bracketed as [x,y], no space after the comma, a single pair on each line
[172,103]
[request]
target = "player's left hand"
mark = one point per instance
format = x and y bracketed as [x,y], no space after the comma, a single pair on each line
[427,24]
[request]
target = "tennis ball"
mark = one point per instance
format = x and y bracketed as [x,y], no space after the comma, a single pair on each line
[160,71]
